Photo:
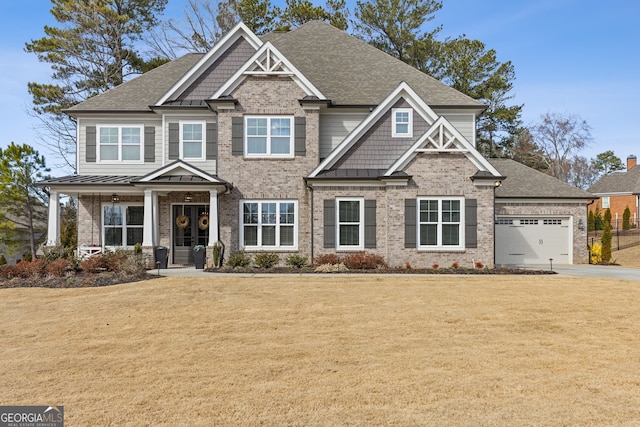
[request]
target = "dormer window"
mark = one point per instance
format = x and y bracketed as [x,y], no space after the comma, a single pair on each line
[402,126]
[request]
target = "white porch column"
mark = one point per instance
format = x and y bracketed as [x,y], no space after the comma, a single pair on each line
[213,217]
[53,230]
[156,222]
[147,233]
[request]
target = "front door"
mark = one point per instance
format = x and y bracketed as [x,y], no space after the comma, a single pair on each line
[190,228]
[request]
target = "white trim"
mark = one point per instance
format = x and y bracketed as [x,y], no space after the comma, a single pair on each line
[268,51]
[394,123]
[268,137]
[240,30]
[178,164]
[203,145]
[608,202]
[260,225]
[439,246]
[360,245]
[457,143]
[401,91]
[120,144]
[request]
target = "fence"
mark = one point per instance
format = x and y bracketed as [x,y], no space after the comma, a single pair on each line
[620,239]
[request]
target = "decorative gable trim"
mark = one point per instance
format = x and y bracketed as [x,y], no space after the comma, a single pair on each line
[443,137]
[240,30]
[403,90]
[268,61]
[176,166]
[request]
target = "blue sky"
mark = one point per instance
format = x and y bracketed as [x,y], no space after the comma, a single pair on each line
[570,56]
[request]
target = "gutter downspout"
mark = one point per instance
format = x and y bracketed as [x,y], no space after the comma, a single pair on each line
[310,188]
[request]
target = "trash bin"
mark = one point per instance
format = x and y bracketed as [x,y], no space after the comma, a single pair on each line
[199,255]
[161,256]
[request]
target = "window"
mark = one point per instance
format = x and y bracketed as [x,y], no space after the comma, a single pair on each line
[268,224]
[192,140]
[440,223]
[120,143]
[350,223]
[269,136]
[122,225]
[605,202]
[402,122]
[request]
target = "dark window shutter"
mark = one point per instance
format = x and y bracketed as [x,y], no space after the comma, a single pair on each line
[91,144]
[369,223]
[149,144]
[329,223]
[212,141]
[471,223]
[410,223]
[301,136]
[174,141]
[237,136]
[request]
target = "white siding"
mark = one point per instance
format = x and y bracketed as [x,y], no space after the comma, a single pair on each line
[335,126]
[465,123]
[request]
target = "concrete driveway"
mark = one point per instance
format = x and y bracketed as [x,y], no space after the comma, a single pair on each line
[595,271]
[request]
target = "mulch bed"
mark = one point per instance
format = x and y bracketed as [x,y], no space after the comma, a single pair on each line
[78,280]
[308,270]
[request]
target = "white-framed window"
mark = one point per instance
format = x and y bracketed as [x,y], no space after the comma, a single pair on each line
[192,144]
[441,223]
[122,225]
[402,122]
[269,224]
[268,136]
[120,143]
[606,204]
[350,223]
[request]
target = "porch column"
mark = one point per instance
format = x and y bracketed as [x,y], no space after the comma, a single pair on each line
[53,230]
[147,233]
[156,218]
[213,217]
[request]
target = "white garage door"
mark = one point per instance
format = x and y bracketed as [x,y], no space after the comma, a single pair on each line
[533,240]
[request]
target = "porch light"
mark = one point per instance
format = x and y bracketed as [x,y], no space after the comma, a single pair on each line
[115,198]
[188,198]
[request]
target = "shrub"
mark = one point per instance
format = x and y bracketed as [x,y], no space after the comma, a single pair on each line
[626,219]
[363,261]
[407,265]
[59,267]
[606,242]
[331,268]
[479,264]
[266,259]
[95,264]
[3,260]
[133,266]
[239,260]
[296,260]
[435,266]
[455,265]
[596,253]
[25,269]
[326,259]
[591,222]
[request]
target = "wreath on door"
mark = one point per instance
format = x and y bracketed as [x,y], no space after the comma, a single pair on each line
[182,221]
[203,222]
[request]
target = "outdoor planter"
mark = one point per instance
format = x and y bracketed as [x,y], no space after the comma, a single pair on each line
[199,255]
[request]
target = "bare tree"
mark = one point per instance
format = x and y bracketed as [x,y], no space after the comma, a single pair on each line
[561,137]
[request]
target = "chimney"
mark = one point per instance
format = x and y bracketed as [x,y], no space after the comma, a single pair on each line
[631,162]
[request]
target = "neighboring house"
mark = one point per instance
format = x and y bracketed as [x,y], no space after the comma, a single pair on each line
[617,191]
[18,244]
[306,142]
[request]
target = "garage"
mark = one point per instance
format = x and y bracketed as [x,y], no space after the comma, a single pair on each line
[533,240]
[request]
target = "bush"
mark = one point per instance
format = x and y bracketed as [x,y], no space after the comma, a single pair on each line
[266,259]
[363,261]
[435,266]
[25,269]
[239,260]
[606,242]
[326,259]
[331,268]
[3,260]
[59,267]
[133,266]
[596,253]
[296,260]
[479,264]
[626,219]
[455,265]
[95,264]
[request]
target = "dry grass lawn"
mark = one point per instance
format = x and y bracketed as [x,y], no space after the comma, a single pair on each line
[328,350]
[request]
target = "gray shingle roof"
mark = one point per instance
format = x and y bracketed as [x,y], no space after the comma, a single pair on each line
[345,69]
[618,182]
[349,71]
[524,182]
[137,94]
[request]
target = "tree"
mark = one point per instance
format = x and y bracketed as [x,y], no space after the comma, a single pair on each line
[21,167]
[581,172]
[606,241]
[591,222]
[466,65]
[297,12]
[561,136]
[607,162]
[525,151]
[626,219]
[395,27]
[259,15]
[93,50]
[69,224]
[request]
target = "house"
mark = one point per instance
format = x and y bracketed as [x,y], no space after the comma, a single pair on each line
[617,191]
[306,142]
